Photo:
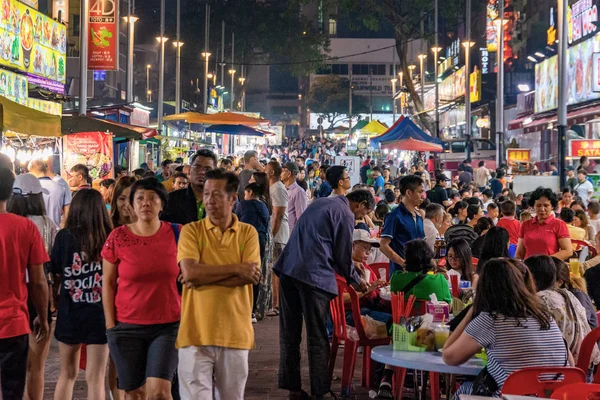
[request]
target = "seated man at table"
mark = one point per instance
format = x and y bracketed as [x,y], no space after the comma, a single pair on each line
[370,302]
[417,280]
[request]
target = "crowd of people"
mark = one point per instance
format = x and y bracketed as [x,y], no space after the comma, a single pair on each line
[159,275]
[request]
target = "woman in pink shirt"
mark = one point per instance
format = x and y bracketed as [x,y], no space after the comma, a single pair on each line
[544,234]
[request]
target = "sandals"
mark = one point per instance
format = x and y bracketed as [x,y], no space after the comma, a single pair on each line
[274,312]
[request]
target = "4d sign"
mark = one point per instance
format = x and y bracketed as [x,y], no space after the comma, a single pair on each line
[103,35]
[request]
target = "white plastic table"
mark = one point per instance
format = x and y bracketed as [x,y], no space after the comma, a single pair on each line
[424,361]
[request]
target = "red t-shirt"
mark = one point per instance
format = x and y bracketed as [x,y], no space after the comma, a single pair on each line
[543,238]
[147,270]
[21,245]
[512,226]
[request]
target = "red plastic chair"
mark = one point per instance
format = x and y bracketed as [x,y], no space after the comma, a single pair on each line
[576,391]
[578,244]
[375,267]
[530,382]
[585,352]
[338,316]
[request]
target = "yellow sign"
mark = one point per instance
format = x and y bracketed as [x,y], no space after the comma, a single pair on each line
[518,155]
[32,42]
[475,85]
[551,36]
[49,107]
[13,86]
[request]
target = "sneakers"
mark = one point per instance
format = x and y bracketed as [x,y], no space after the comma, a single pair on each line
[254,320]
[385,391]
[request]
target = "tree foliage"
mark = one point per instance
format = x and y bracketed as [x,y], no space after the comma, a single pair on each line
[329,96]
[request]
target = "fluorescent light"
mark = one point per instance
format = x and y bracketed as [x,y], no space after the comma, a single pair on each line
[523,87]
[540,55]
[101,114]
[532,59]
[527,121]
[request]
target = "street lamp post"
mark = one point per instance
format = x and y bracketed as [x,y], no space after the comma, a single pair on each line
[161,80]
[206,56]
[232,70]
[83,56]
[422,58]
[178,45]
[500,21]
[400,84]
[232,73]
[468,46]
[394,80]
[436,51]
[148,66]
[562,89]
[131,20]
[149,95]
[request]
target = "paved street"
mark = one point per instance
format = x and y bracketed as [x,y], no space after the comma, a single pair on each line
[262,380]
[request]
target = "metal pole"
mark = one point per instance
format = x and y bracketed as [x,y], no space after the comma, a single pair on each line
[349,101]
[436,70]
[178,62]
[222,53]
[161,73]
[422,72]
[130,41]
[206,56]
[562,90]
[371,92]
[394,84]
[147,80]
[500,88]
[232,67]
[83,56]
[468,74]
[401,93]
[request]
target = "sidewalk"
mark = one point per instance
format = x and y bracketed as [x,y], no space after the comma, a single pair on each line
[263,367]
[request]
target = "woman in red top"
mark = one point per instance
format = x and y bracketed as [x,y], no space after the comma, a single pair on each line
[142,311]
[544,234]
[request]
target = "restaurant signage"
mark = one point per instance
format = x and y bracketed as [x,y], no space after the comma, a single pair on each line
[475,85]
[31,3]
[103,36]
[47,84]
[49,107]
[581,76]
[584,147]
[451,88]
[514,156]
[13,87]
[490,31]
[484,57]
[596,72]
[582,17]
[32,42]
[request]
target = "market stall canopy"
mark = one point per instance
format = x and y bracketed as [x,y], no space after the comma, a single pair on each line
[412,144]
[241,130]
[405,130]
[360,124]
[374,127]
[189,117]
[18,119]
[228,118]
[82,123]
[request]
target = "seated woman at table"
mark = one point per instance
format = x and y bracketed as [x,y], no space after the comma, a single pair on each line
[564,307]
[495,245]
[510,322]
[484,224]
[459,261]
[577,286]
[417,279]
[581,221]
[565,200]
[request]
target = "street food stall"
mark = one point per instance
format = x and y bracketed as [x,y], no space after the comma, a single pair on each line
[521,169]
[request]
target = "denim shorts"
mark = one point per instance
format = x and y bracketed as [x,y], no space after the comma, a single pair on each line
[143,351]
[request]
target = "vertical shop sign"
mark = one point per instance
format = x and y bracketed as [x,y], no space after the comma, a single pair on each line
[103,35]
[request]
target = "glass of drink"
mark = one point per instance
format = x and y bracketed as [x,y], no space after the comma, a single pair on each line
[574,266]
[383,274]
[442,333]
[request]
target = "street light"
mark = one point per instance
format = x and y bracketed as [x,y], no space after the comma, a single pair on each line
[206,55]
[401,83]
[394,80]
[149,96]
[232,73]
[436,51]
[178,45]
[148,66]
[422,58]
[411,68]
[161,80]
[131,20]
[241,79]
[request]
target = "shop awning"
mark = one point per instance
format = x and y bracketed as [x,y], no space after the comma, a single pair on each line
[20,119]
[189,117]
[411,144]
[81,123]
[227,118]
[241,130]
[374,128]
[530,123]
[404,130]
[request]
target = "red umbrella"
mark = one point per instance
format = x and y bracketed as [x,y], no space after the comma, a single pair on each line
[411,144]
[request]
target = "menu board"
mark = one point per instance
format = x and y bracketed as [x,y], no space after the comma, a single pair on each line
[13,87]
[32,42]
[92,149]
[580,75]
[49,107]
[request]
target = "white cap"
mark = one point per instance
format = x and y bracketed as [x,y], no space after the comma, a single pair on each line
[361,235]
[28,184]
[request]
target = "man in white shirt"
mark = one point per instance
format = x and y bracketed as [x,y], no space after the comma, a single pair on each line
[482,176]
[434,217]
[584,188]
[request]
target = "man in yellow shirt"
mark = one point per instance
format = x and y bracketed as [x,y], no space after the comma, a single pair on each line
[567,215]
[219,258]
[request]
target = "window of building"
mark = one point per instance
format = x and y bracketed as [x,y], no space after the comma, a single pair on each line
[332,27]
[366,69]
[378,69]
[324,70]
[360,69]
[339,69]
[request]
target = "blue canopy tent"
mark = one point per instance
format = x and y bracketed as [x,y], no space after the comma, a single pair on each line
[236,130]
[405,130]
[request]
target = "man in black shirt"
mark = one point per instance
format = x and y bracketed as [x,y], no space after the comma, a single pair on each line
[185,205]
[438,193]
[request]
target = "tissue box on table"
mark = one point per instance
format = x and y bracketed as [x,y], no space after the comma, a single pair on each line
[440,311]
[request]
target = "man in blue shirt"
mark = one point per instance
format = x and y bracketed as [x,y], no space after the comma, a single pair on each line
[319,248]
[378,181]
[404,223]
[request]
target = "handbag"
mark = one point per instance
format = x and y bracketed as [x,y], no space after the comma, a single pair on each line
[484,384]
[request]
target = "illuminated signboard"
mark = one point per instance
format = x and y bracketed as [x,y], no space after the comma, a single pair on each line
[47,84]
[31,3]
[580,76]
[13,87]
[584,147]
[49,107]
[475,85]
[32,42]
[485,60]
[581,20]
[491,34]
[514,156]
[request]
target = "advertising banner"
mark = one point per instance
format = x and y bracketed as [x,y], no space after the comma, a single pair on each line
[514,156]
[32,42]
[31,3]
[491,34]
[584,147]
[103,48]
[49,107]
[475,85]
[14,87]
[580,76]
[92,149]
